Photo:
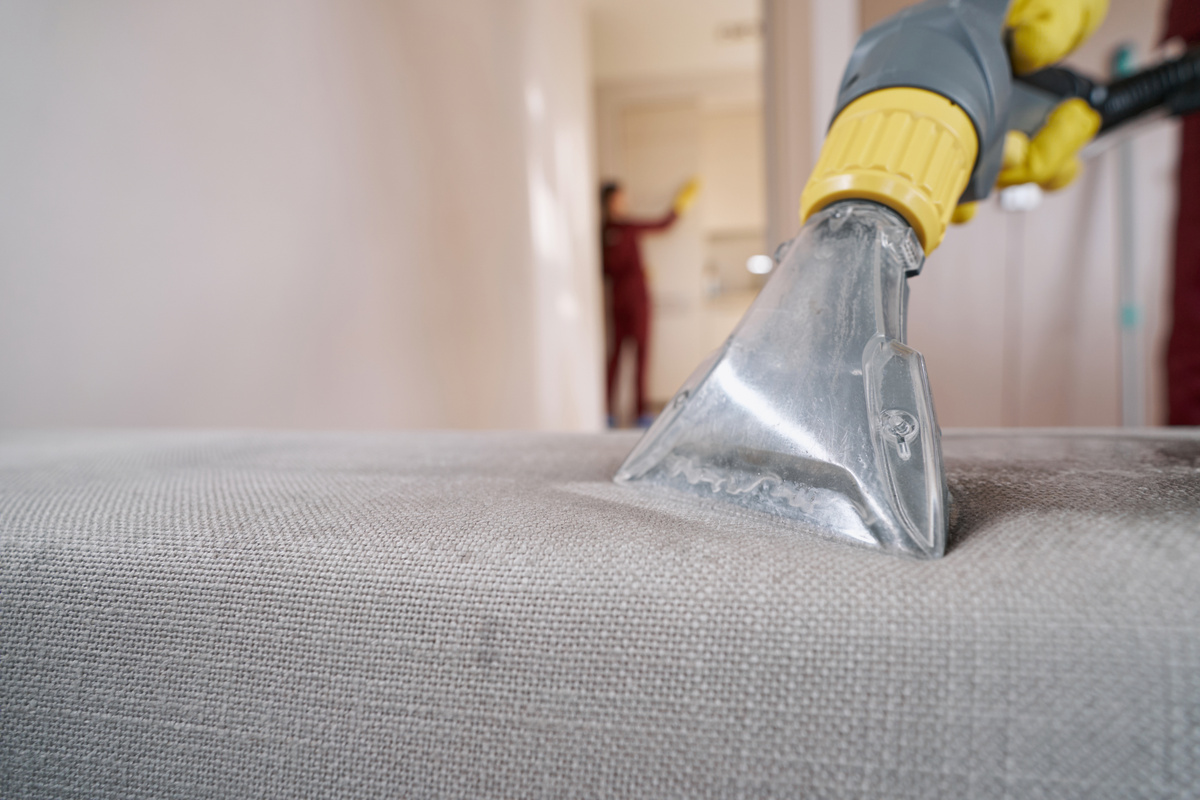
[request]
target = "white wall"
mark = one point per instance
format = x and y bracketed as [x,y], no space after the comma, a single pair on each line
[656,39]
[808,43]
[317,213]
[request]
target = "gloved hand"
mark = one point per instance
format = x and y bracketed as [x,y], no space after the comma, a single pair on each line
[1044,31]
[1040,33]
[686,196]
[1051,158]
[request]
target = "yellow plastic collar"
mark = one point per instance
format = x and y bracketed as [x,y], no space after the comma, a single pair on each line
[909,149]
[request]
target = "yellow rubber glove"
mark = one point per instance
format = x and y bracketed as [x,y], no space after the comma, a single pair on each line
[964,212]
[1051,158]
[1044,31]
[686,196]
[1040,33]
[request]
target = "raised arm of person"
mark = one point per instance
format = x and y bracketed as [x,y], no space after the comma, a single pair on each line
[684,199]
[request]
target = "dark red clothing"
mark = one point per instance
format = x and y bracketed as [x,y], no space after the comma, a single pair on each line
[622,259]
[1183,20]
[1183,348]
[633,324]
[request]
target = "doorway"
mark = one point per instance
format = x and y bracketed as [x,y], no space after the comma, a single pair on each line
[689,105]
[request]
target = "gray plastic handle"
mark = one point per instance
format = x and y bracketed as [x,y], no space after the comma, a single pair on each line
[954,48]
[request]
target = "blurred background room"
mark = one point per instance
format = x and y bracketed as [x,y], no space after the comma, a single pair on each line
[384,214]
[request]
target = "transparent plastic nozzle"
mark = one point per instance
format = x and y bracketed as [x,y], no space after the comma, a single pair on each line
[814,409]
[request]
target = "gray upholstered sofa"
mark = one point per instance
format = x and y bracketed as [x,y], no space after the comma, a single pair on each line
[486,615]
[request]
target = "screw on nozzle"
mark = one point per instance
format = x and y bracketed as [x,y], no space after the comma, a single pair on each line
[900,427]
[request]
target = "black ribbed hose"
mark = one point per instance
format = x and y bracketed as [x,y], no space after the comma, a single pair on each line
[1130,97]
[1174,84]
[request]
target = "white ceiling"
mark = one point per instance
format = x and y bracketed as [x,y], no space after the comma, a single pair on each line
[638,39]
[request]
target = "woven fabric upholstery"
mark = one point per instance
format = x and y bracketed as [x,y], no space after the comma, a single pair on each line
[486,615]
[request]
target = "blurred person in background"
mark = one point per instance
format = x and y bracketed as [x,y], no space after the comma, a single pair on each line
[622,261]
[1183,348]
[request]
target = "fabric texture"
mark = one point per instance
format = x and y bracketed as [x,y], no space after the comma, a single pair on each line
[486,615]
